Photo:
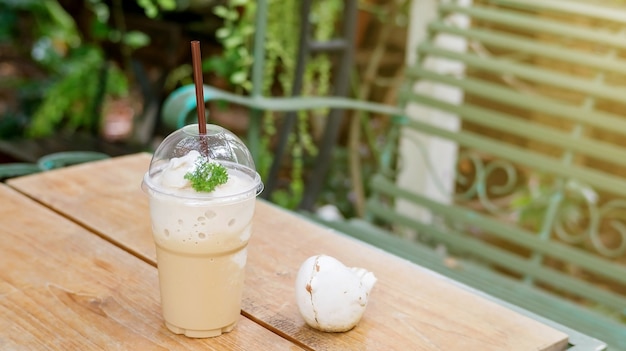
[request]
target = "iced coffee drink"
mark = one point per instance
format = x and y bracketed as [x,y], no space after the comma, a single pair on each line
[201,236]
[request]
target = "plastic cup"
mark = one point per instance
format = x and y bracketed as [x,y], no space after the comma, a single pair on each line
[201,238]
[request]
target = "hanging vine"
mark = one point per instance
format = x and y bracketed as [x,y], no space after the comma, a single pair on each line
[281,47]
[316,81]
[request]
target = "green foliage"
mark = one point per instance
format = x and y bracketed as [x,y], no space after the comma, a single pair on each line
[74,86]
[101,30]
[70,100]
[235,36]
[207,175]
[7,23]
[152,8]
[282,46]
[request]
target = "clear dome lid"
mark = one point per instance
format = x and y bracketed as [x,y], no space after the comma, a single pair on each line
[219,144]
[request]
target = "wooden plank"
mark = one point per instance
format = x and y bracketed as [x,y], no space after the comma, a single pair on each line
[64,288]
[74,191]
[411,308]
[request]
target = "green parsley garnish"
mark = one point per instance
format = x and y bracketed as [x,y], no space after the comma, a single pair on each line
[207,175]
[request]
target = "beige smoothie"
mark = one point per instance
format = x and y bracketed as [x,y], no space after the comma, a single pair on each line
[201,243]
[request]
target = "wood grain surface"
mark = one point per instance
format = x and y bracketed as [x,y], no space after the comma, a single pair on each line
[64,288]
[410,308]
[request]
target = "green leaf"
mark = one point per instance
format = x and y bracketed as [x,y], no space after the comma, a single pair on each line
[167,4]
[151,11]
[247,85]
[247,29]
[216,65]
[232,42]
[100,30]
[232,16]
[136,39]
[222,33]
[238,77]
[239,2]
[220,11]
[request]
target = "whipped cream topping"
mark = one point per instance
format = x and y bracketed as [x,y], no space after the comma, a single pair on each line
[172,177]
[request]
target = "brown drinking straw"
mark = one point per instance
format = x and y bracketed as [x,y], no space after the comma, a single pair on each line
[197,78]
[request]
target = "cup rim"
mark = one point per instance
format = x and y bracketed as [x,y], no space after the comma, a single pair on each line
[257,187]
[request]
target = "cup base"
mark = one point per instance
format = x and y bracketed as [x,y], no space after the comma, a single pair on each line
[191,333]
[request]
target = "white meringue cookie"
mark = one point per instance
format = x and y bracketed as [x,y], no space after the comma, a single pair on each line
[332,297]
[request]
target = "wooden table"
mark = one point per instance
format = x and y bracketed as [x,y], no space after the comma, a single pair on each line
[78,271]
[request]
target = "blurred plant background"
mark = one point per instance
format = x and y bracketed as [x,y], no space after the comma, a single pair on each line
[60,66]
[101,66]
[104,67]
